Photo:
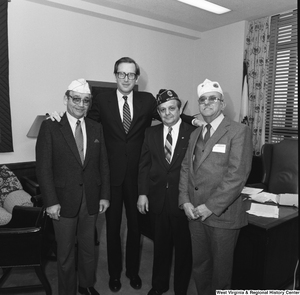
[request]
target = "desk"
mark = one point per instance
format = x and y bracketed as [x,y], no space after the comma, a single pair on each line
[267,252]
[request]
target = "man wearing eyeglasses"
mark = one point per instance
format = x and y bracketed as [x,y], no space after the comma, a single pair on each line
[124,114]
[73,174]
[213,174]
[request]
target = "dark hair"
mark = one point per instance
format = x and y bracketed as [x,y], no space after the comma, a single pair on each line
[127,60]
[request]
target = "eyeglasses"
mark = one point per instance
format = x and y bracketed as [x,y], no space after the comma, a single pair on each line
[210,99]
[122,75]
[77,100]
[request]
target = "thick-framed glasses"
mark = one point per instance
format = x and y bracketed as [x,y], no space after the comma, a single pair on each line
[77,100]
[122,75]
[209,99]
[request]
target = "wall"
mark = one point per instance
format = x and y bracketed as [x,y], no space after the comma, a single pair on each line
[49,46]
[219,58]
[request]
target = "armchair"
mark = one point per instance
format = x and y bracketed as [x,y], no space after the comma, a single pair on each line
[22,245]
[280,167]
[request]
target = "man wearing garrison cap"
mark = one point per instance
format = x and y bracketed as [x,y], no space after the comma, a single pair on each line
[163,150]
[73,174]
[213,173]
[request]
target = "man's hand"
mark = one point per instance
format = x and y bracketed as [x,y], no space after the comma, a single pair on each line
[198,123]
[189,211]
[55,116]
[53,211]
[202,211]
[103,205]
[143,204]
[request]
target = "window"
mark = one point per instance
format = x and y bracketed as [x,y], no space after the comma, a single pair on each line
[282,83]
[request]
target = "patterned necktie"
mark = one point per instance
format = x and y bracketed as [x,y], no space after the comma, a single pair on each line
[79,140]
[207,134]
[126,115]
[168,146]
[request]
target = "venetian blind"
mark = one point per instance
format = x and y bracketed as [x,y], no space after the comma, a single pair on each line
[282,88]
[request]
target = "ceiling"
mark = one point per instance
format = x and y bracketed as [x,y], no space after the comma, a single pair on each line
[186,16]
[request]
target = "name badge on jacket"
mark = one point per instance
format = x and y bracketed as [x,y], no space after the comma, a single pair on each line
[219,148]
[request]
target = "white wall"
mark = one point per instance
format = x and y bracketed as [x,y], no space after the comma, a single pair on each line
[49,47]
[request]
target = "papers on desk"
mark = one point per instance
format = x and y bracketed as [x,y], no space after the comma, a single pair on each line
[257,195]
[288,200]
[281,199]
[264,210]
[251,190]
[267,210]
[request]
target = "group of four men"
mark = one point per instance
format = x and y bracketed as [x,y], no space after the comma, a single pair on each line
[188,181]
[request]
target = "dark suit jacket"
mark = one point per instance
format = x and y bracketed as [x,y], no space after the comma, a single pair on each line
[158,178]
[60,173]
[124,149]
[221,175]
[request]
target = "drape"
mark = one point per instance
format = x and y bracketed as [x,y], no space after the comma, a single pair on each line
[256,58]
[6,144]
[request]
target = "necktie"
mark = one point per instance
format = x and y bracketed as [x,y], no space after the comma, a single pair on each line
[79,139]
[168,146]
[126,115]
[207,134]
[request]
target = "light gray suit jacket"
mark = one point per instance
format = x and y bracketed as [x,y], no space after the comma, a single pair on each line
[217,181]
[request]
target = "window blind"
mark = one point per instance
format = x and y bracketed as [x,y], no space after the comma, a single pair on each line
[282,82]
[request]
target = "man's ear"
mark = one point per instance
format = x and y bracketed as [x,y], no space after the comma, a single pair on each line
[224,104]
[65,100]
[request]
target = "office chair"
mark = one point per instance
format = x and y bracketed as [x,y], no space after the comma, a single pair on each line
[280,167]
[23,245]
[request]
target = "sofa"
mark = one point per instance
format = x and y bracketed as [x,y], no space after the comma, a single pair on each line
[14,189]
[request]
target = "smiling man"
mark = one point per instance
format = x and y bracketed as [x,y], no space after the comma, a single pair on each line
[162,153]
[73,174]
[125,114]
[213,174]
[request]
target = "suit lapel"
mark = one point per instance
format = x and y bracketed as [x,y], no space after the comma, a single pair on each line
[179,144]
[137,105]
[90,136]
[69,137]
[159,143]
[115,112]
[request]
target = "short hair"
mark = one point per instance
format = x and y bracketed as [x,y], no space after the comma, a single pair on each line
[127,60]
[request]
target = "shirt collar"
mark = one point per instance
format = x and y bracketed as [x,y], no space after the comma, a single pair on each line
[216,122]
[174,127]
[120,96]
[73,120]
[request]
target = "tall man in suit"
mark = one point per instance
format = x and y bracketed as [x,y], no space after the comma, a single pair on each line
[213,174]
[162,153]
[125,114]
[73,174]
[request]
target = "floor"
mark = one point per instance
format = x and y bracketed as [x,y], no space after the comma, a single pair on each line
[19,276]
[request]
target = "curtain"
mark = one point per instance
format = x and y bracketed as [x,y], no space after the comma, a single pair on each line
[256,59]
[6,144]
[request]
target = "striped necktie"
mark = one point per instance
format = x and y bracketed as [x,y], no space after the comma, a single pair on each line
[79,140]
[126,115]
[168,146]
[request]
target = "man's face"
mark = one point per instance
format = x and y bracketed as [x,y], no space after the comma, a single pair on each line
[169,112]
[125,85]
[77,104]
[211,110]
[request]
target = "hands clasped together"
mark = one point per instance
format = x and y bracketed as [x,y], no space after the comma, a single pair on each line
[194,213]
